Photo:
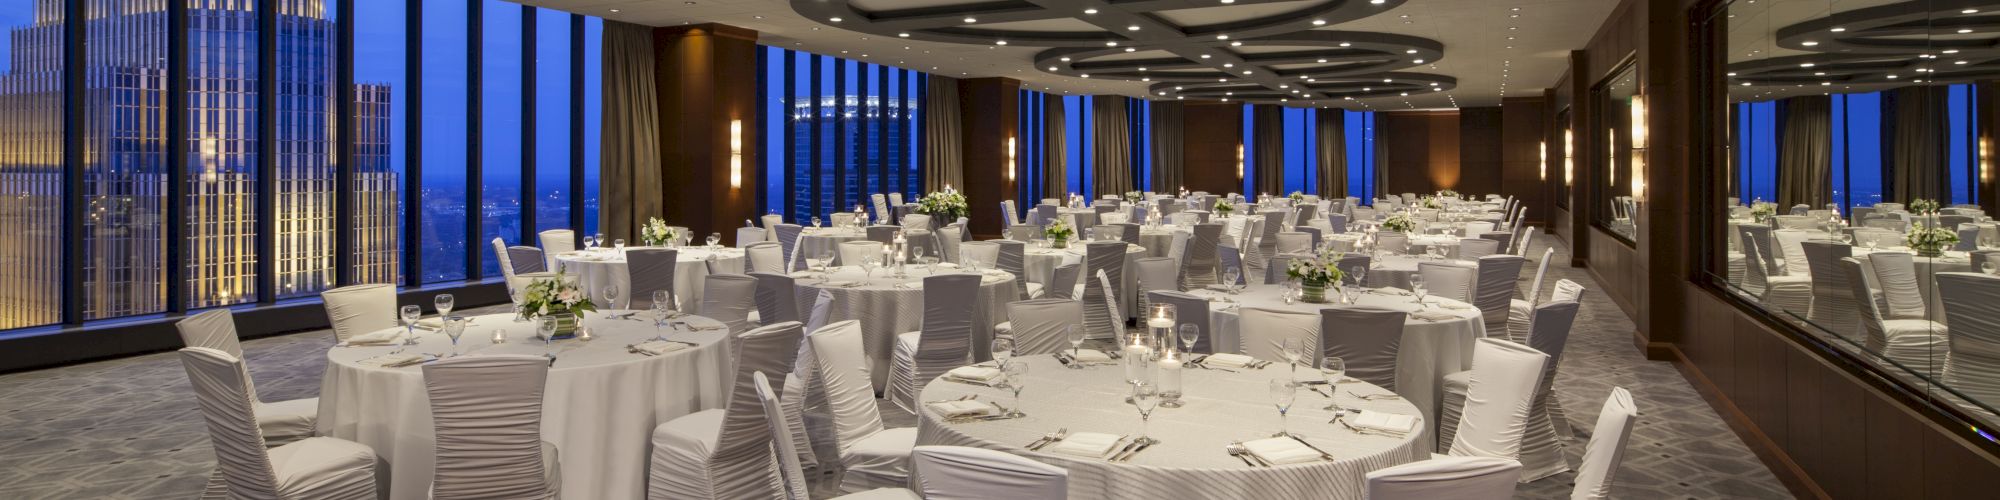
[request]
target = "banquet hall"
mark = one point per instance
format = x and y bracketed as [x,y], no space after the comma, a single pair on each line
[971,249]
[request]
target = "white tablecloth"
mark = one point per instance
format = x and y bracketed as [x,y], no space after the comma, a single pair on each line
[1430,350]
[889,306]
[1927,270]
[826,241]
[606,268]
[1040,264]
[600,405]
[1190,461]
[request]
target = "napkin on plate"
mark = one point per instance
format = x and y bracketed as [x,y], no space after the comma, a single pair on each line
[805,274]
[1090,356]
[431,323]
[384,337]
[1433,316]
[978,374]
[840,283]
[394,360]
[1392,291]
[1282,450]
[1086,444]
[1227,360]
[658,347]
[1383,421]
[961,409]
[911,285]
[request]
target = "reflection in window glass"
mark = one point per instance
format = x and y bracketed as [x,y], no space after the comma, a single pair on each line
[500,130]
[1360,135]
[378,140]
[1757,150]
[31,128]
[220,240]
[305,169]
[444,137]
[552,141]
[593,118]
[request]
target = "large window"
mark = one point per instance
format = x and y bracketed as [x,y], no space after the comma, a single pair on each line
[1863,145]
[500,75]
[31,173]
[836,132]
[552,120]
[380,96]
[442,220]
[1360,135]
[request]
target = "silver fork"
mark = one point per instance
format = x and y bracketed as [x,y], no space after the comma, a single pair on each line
[1050,437]
[1060,435]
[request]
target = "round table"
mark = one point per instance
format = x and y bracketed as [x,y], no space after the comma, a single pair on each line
[1158,241]
[1394,271]
[602,268]
[1040,265]
[889,306]
[826,241]
[1190,460]
[1953,261]
[1430,349]
[599,407]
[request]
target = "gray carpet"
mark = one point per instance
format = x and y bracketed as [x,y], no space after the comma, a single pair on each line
[129,428]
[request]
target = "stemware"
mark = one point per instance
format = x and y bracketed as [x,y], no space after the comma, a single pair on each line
[444,303]
[1189,334]
[1075,334]
[454,327]
[520,313]
[589,242]
[815,222]
[1283,393]
[1294,351]
[1360,274]
[611,297]
[930,264]
[663,309]
[1017,379]
[1146,398]
[546,329]
[618,244]
[1003,351]
[1417,289]
[868,266]
[599,238]
[1229,277]
[714,239]
[917,252]
[410,313]
[1332,368]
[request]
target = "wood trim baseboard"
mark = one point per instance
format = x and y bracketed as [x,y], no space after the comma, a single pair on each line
[1781,464]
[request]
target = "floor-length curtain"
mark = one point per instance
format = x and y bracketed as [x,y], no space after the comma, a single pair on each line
[1805,152]
[1055,177]
[1111,159]
[1169,170]
[630,160]
[1919,145]
[944,157]
[1332,152]
[1269,151]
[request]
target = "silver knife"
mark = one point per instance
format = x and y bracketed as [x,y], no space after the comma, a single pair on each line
[1127,457]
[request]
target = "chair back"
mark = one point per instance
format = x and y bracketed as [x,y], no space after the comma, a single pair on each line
[213,329]
[1314,236]
[1981,257]
[881,205]
[506,262]
[222,388]
[1198,263]
[915,221]
[1527,235]
[1495,292]
[1833,305]
[1502,238]
[1871,315]
[1541,271]
[486,412]
[729,298]
[1062,282]
[1474,248]
[1505,376]
[1156,273]
[1393,242]
[1972,308]
[1189,309]
[791,475]
[1606,450]
[1106,258]
[949,238]
[1024,232]
[1041,326]
[1449,280]
[788,240]
[359,309]
[852,253]
[555,241]
[1337,223]
[743,444]
[762,257]
[1457,478]
[841,219]
[957,472]
[1896,274]
[1013,215]
[747,235]
[1292,242]
[777,298]
[895,199]
[1127,232]
[526,259]
[984,252]
[1046,213]
[1968,238]
[1012,258]
[840,363]
[1262,332]
[1567,290]
[650,270]
[883,234]
[1475,228]
[1366,338]
[1230,259]
[946,341]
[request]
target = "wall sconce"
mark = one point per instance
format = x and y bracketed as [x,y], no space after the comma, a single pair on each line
[736,154]
[1638,148]
[1985,163]
[1239,161]
[1544,151]
[1569,158]
[1010,159]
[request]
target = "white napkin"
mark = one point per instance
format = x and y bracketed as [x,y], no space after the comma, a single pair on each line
[947,265]
[1282,450]
[1433,316]
[384,337]
[958,409]
[431,323]
[911,285]
[978,374]
[1086,444]
[1392,291]
[804,274]
[657,347]
[1228,360]
[393,360]
[1384,421]
[839,283]
[1219,288]
[1090,356]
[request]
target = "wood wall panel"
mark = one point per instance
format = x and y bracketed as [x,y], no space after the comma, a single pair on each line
[1480,152]
[1420,150]
[1213,130]
[1523,133]
[987,107]
[700,76]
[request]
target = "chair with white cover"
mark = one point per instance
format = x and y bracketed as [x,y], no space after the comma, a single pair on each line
[1045,214]
[1456,478]
[1062,282]
[1368,339]
[770,224]
[1473,248]
[1540,450]
[943,343]
[1833,306]
[506,263]
[853,253]
[788,240]
[1527,235]
[1505,240]
[881,233]
[986,253]
[1606,450]
[1394,243]
[527,259]
[1519,310]
[1013,258]
[356,310]
[840,219]
[311,468]
[1475,228]
[1189,309]
[1499,395]
[649,270]
[1781,291]
[762,257]
[1041,326]
[1198,263]
[1314,237]
[280,422]
[487,416]
[1229,259]
[729,298]
[924,239]
[1896,274]
[870,456]
[556,241]
[1292,242]
[1910,342]
[1106,258]
[1127,232]
[1262,332]
[1155,273]
[777,298]
[915,221]
[895,199]
[747,235]
[725,452]
[1972,308]
[1968,238]
[790,475]
[881,205]
[1337,223]
[957,472]
[1494,290]
[1025,232]
[1981,257]
[948,240]
[1012,214]
[1449,280]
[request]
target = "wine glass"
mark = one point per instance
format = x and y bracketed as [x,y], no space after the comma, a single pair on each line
[1333,368]
[444,302]
[1146,398]
[546,328]
[1075,334]
[1017,379]
[663,309]
[1294,351]
[917,252]
[714,239]
[618,244]
[1283,393]
[599,238]
[868,266]
[815,222]
[1360,274]
[454,327]
[1417,288]
[1003,351]
[611,297]
[410,313]
[1189,334]
[1229,277]
[930,264]
[589,243]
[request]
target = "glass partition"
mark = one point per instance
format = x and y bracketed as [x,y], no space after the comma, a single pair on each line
[1618,146]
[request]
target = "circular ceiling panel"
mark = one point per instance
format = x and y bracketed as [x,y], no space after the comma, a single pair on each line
[1061,23]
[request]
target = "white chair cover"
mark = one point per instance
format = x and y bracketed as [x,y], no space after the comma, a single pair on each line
[1013,258]
[870,455]
[955,472]
[1456,478]
[729,298]
[895,199]
[1189,309]
[1972,308]
[749,234]
[1495,288]
[555,241]
[945,342]
[1110,304]
[1062,282]
[725,453]
[788,240]
[986,253]
[1025,232]
[881,205]
[316,468]
[948,240]
[1475,228]
[506,263]
[1041,325]
[777,298]
[841,219]
[763,257]
[487,415]
[791,476]
[1155,273]
[1105,258]
[526,259]
[1833,306]
[1527,235]
[1519,310]
[1498,397]
[1198,265]
[852,253]
[1449,280]
[1908,342]
[649,270]
[1896,273]
[771,222]
[1393,242]
[1607,447]
[881,233]
[360,309]
[1366,338]
[1228,259]
[1473,248]
[1294,242]
[281,422]
[1013,214]
[1263,332]
[915,221]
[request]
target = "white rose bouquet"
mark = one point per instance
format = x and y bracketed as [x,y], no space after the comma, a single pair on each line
[1400,223]
[1931,241]
[1761,211]
[946,205]
[657,233]
[1923,206]
[557,296]
[1223,208]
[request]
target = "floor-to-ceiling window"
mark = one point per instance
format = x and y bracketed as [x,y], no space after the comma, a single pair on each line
[1076,146]
[552,120]
[1861,153]
[500,129]
[441,218]
[31,168]
[592,115]
[1301,162]
[837,131]
[1757,149]
[219,243]
[1360,135]
[380,95]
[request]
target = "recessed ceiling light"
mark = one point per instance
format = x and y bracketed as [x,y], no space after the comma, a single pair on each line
[836,19]
[1410,51]
[1420,61]
[1837,29]
[970,20]
[1805,65]
[1134,27]
[1111,44]
[1246,72]
[1204,56]
[1052,68]
[1377,2]
[1090,11]
[1065,59]
[1969,11]
[614,10]
[1951,51]
[1142,68]
[1228,65]
[1958,62]
[1319,22]
[1000,42]
[1236,44]
[1891,77]
[1222,37]
[904,35]
[1809,43]
[1129,49]
[1732,73]
[1086,75]
[1965,30]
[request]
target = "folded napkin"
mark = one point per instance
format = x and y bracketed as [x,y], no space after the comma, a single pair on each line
[658,347]
[1392,291]
[431,323]
[1383,421]
[1219,288]
[947,265]
[384,337]
[1086,444]
[979,374]
[1282,450]
[841,283]
[394,360]
[911,285]
[1089,356]
[961,409]
[805,274]
[1228,360]
[1433,316]
[991,279]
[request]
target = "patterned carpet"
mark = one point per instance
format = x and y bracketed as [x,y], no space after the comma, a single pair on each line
[128,428]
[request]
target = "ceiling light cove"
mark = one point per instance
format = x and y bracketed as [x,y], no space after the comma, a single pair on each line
[1059,23]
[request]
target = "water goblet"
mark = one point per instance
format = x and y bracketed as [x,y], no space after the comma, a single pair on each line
[618,244]
[1332,369]
[454,327]
[611,297]
[1294,351]
[1189,334]
[1283,393]
[1417,289]
[1017,379]
[868,266]
[444,302]
[815,222]
[589,243]
[546,329]
[930,264]
[599,238]
[714,239]
[1146,398]
[1003,351]
[410,313]
[1229,278]
[1075,335]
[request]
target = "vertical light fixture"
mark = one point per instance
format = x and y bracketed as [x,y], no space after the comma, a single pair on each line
[1544,152]
[736,154]
[1569,158]
[1010,159]
[1638,148]
[1239,161]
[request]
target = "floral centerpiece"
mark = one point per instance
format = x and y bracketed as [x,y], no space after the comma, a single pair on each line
[1223,208]
[1923,206]
[947,206]
[1297,197]
[656,232]
[1400,223]
[1931,241]
[1762,211]
[1135,196]
[557,298]
[1447,194]
[1315,274]
[1059,234]
[1432,202]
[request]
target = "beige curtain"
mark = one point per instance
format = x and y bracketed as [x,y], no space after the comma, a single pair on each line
[630,161]
[1332,152]
[1269,151]
[1111,134]
[1805,152]
[1169,170]
[1055,178]
[1918,149]
[943,157]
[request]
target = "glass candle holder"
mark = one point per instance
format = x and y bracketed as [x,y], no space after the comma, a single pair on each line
[1170,365]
